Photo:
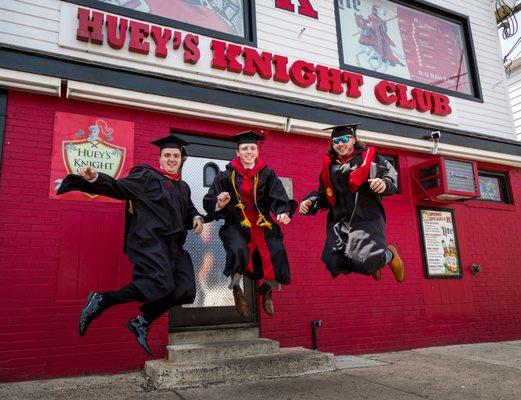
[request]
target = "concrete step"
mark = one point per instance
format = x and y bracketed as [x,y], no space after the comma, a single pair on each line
[220,350]
[288,362]
[213,335]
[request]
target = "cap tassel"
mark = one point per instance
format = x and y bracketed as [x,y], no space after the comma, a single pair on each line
[263,222]
[245,222]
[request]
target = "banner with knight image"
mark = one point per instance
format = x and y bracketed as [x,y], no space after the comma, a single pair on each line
[440,243]
[391,38]
[105,144]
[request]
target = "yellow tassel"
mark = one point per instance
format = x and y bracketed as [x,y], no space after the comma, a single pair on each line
[263,222]
[130,207]
[240,205]
[246,223]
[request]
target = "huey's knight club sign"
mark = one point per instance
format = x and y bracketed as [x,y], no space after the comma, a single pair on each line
[104,144]
[104,34]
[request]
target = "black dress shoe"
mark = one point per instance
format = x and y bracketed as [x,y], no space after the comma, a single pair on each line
[91,311]
[139,327]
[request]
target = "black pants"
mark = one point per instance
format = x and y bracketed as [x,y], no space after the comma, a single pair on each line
[151,310]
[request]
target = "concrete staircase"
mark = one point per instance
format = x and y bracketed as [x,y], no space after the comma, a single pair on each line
[230,355]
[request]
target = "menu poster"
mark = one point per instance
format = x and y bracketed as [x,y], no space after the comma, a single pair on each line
[394,39]
[440,244]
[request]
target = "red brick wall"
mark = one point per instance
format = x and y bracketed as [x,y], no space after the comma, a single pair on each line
[38,328]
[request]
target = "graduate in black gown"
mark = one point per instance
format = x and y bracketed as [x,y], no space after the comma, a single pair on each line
[245,195]
[159,211]
[352,181]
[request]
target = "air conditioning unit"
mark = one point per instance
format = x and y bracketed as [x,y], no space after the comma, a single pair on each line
[446,179]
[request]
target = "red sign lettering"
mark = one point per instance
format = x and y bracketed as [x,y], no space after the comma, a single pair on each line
[305,7]
[421,100]
[90,29]
[251,62]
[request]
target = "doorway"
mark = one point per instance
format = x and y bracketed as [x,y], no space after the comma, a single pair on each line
[214,304]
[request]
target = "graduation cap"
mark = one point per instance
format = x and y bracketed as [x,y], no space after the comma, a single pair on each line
[342,130]
[247,137]
[170,142]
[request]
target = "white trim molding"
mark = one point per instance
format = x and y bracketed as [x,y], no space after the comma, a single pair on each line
[104,94]
[129,98]
[16,80]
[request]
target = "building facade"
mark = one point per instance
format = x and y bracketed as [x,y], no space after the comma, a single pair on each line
[88,82]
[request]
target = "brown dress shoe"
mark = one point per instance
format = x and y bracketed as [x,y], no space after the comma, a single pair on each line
[267,302]
[377,275]
[396,264]
[240,301]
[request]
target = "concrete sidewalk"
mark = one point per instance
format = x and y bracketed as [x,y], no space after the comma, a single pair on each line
[476,371]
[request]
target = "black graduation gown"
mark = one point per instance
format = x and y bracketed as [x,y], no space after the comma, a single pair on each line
[271,196]
[159,212]
[355,239]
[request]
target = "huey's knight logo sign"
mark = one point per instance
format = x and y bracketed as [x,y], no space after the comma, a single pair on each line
[104,144]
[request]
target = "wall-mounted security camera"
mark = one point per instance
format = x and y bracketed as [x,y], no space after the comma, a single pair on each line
[436,135]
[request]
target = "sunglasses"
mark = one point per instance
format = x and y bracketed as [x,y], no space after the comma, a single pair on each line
[343,139]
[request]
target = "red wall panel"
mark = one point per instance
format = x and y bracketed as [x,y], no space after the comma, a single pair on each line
[53,252]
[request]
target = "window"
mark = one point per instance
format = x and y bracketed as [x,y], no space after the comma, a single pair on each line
[419,44]
[493,187]
[210,171]
[224,19]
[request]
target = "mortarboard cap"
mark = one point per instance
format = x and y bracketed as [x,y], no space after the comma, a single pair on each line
[342,130]
[247,137]
[170,142]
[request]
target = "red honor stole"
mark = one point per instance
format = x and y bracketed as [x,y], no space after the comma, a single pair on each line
[356,177]
[174,177]
[247,196]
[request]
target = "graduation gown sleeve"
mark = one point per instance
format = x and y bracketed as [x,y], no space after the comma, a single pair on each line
[319,199]
[121,189]
[210,199]
[386,171]
[191,212]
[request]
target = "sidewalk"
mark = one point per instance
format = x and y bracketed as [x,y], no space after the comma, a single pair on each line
[477,371]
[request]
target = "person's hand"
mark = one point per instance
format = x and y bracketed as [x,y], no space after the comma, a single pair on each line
[284,218]
[87,173]
[222,199]
[378,185]
[198,226]
[304,207]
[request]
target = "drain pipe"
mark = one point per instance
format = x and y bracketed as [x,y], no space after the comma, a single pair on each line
[314,325]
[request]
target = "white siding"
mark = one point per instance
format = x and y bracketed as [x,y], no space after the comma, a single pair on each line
[514,85]
[35,24]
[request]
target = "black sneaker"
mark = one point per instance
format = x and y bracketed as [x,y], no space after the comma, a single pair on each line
[139,327]
[91,311]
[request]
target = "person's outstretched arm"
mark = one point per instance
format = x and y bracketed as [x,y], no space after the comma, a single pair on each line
[90,181]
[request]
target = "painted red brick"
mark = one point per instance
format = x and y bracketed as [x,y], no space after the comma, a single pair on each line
[38,329]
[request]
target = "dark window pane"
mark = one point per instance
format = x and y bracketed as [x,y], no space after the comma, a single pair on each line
[210,171]
[493,187]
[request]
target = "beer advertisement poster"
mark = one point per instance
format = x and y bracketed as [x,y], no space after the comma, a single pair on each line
[440,244]
[107,145]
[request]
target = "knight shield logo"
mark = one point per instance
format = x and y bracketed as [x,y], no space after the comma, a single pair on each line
[94,151]
[83,141]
